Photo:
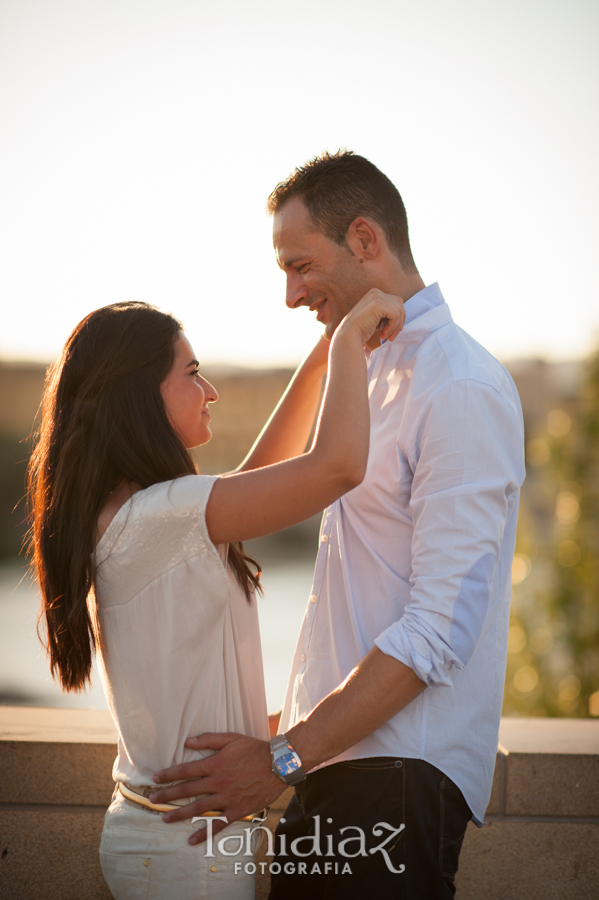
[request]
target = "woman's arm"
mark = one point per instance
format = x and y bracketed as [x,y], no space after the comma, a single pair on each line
[287,431]
[253,503]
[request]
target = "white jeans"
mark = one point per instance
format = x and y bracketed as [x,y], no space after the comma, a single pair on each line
[143,858]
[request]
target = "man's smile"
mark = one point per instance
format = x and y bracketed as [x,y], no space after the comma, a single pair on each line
[317,307]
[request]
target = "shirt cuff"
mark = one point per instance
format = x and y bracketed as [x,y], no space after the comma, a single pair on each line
[430,661]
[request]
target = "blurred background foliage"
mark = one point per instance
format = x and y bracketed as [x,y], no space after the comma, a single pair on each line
[553,656]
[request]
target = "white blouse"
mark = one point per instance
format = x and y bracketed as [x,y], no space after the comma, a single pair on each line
[181,650]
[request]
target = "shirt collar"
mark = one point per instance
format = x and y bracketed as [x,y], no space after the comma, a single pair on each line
[423,301]
[425,311]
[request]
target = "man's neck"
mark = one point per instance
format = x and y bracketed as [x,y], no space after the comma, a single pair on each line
[400,285]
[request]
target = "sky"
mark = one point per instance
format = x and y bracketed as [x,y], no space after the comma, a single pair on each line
[140,140]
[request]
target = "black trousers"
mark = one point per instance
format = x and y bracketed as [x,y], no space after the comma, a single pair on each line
[371,828]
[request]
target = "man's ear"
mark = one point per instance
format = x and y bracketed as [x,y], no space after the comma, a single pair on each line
[364,238]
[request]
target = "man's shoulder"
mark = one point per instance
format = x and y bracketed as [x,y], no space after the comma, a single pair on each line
[447,358]
[451,355]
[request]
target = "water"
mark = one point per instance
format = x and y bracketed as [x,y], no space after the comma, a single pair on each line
[287,586]
[24,674]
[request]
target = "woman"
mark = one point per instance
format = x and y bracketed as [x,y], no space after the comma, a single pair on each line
[140,558]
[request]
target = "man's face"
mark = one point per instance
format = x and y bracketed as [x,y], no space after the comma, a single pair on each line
[321,275]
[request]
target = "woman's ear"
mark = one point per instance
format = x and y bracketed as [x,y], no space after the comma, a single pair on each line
[364,238]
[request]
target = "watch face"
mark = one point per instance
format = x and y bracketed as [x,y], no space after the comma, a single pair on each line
[287,764]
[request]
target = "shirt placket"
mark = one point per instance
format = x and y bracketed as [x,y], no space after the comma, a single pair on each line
[328,520]
[318,582]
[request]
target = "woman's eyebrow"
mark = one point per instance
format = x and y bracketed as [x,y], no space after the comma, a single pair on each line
[194,362]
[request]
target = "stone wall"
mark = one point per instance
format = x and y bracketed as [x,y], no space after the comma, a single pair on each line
[56,784]
[541,843]
[542,837]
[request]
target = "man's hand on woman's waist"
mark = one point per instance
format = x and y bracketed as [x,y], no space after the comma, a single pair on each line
[238,778]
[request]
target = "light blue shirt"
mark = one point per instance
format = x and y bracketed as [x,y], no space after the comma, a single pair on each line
[417,559]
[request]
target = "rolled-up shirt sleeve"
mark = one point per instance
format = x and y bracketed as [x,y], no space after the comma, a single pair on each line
[466,456]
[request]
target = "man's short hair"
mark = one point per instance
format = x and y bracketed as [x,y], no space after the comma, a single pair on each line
[336,188]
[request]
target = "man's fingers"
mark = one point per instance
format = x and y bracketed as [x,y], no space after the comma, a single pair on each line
[211,803]
[239,780]
[190,788]
[210,741]
[197,768]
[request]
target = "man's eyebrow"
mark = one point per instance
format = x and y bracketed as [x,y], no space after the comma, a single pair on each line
[286,264]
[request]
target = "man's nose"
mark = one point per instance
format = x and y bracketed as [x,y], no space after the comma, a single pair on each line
[296,292]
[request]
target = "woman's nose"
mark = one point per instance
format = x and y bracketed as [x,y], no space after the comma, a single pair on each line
[210,391]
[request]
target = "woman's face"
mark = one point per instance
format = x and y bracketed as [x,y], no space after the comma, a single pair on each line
[186,396]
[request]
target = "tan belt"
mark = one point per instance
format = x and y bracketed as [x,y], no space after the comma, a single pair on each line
[140,796]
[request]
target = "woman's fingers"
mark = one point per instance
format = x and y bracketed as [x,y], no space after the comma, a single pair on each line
[376,311]
[388,331]
[395,315]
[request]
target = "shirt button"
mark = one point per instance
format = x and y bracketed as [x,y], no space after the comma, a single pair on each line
[325,538]
[303,657]
[213,868]
[146,862]
[313,598]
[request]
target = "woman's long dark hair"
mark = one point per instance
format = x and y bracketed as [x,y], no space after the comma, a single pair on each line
[103,423]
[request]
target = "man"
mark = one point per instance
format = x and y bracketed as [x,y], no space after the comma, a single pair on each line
[394,700]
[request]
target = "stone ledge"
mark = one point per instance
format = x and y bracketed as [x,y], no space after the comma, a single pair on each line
[529,861]
[63,726]
[51,856]
[547,767]
[57,774]
[542,842]
[544,735]
[52,807]
[58,757]
[552,785]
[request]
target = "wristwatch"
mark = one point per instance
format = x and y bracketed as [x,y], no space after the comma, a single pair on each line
[285,761]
